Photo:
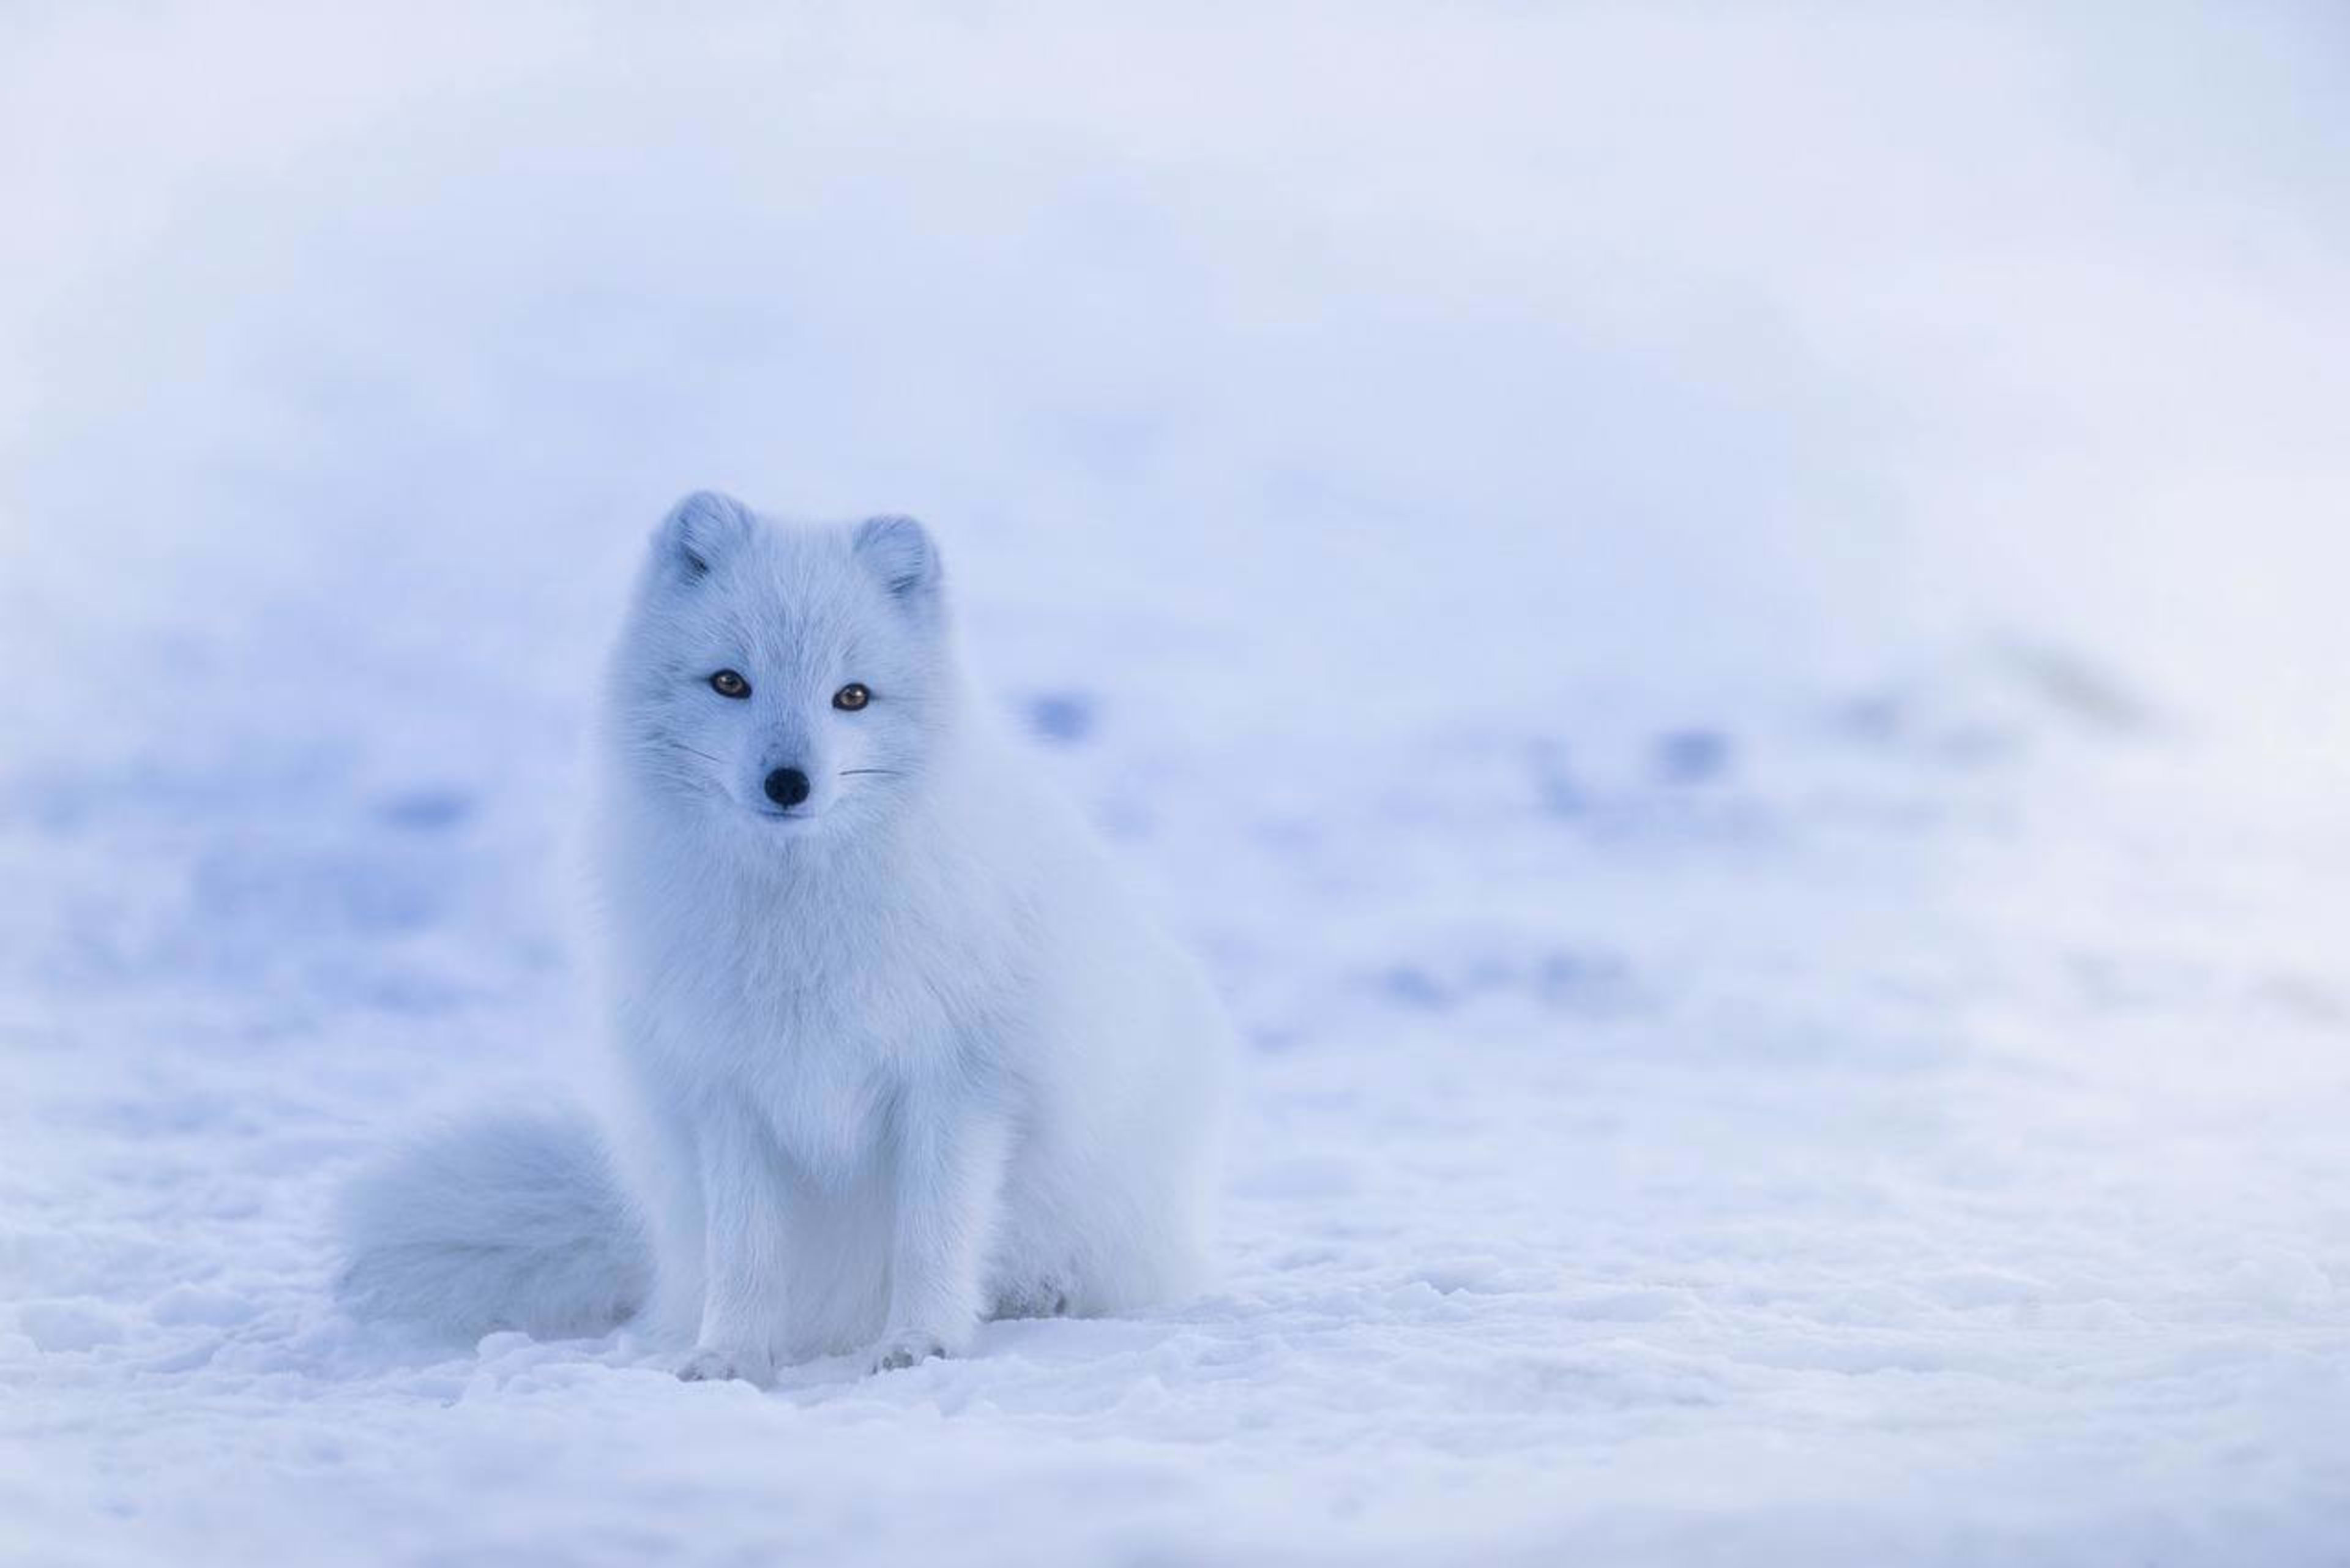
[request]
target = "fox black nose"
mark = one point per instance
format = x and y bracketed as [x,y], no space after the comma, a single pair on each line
[787,787]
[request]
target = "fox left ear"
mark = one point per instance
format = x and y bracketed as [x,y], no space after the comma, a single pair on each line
[900,552]
[705,526]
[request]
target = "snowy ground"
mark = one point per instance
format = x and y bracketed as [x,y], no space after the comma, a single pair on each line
[1723,624]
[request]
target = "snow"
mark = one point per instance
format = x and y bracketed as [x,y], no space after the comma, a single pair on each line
[1724,627]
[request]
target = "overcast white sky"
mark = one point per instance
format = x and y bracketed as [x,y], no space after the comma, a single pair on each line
[1690,347]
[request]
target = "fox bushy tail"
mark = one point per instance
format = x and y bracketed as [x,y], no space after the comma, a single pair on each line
[514,1222]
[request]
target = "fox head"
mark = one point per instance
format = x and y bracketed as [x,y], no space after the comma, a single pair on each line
[796,678]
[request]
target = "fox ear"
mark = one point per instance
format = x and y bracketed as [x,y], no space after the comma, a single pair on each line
[701,529]
[899,551]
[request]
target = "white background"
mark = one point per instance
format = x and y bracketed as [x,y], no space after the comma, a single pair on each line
[1725,623]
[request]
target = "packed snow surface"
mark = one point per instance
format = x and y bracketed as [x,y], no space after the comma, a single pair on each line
[1722,623]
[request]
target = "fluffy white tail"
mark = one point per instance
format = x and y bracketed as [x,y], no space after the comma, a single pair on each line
[517,1222]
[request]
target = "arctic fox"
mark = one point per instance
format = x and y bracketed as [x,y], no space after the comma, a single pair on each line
[898,1053]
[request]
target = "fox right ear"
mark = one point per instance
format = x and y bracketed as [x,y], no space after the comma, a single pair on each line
[899,550]
[699,530]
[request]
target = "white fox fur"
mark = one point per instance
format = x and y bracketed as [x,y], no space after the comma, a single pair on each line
[896,1056]
[517,1222]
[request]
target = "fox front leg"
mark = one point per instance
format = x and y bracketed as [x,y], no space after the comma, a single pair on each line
[948,1186]
[742,1251]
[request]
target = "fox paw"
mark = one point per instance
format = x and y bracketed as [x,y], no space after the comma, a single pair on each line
[719,1367]
[1039,1298]
[902,1350]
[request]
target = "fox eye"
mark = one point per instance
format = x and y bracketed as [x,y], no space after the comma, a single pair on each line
[851,697]
[726,683]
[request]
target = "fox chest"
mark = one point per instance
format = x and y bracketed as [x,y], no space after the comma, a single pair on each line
[822,1049]
[826,1076]
[825,1014]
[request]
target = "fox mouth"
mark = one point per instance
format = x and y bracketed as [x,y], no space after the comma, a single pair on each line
[806,812]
